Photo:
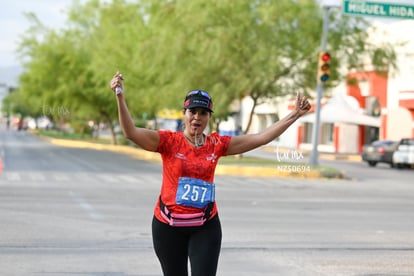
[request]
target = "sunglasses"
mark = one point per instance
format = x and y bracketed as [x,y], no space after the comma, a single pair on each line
[199,92]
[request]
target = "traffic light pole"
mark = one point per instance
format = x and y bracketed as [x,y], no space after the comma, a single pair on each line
[316,126]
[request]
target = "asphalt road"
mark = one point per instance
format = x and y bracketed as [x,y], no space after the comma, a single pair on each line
[67,212]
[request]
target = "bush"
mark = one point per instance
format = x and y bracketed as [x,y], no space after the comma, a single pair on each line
[82,128]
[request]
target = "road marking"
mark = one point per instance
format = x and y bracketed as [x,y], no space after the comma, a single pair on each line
[86,206]
[13,176]
[61,177]
[37,177]
[85,177]
[147,179]
[128,178]
[108,178]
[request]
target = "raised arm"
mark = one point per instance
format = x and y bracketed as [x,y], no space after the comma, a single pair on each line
[243,143]
[145,138]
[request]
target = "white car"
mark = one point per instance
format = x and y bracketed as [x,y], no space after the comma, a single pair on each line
[404,155]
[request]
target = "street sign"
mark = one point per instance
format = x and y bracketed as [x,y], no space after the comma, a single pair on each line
[370,8]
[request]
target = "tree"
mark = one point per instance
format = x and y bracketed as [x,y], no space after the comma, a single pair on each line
[255,48]
[262,49]
[58,77]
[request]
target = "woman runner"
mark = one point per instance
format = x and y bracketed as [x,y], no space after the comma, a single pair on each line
[186,224]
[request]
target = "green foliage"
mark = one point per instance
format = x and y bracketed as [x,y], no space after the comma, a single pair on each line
[165,48]
[81,127]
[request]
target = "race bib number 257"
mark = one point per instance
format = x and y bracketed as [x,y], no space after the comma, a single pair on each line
[194,192]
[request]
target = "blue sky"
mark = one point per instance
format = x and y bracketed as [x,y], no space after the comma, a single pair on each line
[52,13]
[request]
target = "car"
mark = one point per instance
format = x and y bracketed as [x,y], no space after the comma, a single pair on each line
[380,151]
[404,154]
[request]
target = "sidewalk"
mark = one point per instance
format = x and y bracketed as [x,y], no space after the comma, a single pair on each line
[294,170]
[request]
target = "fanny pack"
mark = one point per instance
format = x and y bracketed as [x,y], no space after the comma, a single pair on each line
[185,220]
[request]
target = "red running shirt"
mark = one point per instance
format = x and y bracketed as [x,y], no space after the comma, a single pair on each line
[180,159]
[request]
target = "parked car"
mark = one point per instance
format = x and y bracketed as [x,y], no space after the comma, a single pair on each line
[380,151]
[404,154]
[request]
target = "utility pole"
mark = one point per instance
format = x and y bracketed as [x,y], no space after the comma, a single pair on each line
[320,86]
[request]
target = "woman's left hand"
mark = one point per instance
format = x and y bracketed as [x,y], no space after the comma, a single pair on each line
[302,104]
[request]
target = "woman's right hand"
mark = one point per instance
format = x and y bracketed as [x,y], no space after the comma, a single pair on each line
[116,82]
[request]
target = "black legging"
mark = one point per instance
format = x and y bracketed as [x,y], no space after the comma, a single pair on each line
[174,245]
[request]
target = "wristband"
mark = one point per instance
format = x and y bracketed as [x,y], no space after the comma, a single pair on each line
[118,90]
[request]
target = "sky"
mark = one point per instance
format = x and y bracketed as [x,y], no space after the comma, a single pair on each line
[52,13]
[13,23]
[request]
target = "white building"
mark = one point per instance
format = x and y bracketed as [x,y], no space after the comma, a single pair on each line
[347,121]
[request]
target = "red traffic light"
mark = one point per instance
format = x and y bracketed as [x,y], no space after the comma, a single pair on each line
[326,57]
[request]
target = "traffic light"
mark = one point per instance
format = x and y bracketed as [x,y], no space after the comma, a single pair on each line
[324,66]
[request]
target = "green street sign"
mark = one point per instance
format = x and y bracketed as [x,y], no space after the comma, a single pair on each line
[369,8]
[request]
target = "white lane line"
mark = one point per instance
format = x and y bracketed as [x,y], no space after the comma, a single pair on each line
[13,176]
[85,177]
[61,177]
[128,178]
[148,179]
[108,178]
[86,206]
[37,176]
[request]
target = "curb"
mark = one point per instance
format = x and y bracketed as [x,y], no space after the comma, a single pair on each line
[351,157]
[128,150]
[220,169]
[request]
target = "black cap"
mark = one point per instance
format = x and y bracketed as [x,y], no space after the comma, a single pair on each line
[198,98]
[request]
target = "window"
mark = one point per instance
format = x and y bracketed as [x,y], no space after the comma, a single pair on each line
[325,136]
[327,131]
[307,133]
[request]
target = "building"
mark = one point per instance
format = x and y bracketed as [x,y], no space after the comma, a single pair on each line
[371,105]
